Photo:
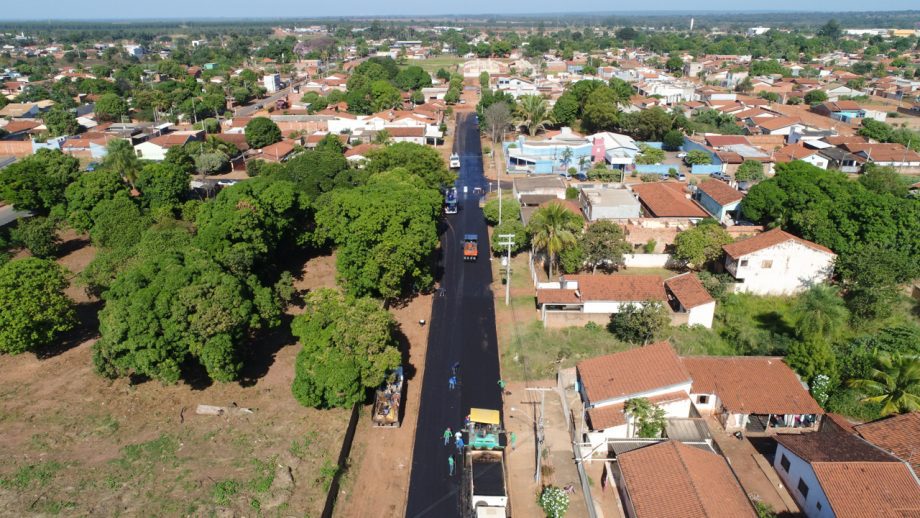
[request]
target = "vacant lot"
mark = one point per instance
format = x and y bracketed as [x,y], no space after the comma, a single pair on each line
[449,63]
[77,444]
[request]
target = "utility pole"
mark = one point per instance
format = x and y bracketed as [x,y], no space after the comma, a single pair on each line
[507,240]
[540,432]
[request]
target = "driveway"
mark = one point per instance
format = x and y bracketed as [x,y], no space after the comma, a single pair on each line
[462,329]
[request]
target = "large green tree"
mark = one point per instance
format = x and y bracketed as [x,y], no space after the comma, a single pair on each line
[111,107]
[61,122]
[175,307]
[639,323]
[261,132]
[819,313]
[533,113]
[422,161]
[163,185]
[318,171]
[604,244]
[38,234]
[601,111]
[37,182]
[121,158]
[701,244]
[34,310]
[348,347]
[384,232]
[87,191]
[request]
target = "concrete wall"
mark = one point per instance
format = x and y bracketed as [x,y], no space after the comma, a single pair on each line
[646,260]
[794,268]
[801,470]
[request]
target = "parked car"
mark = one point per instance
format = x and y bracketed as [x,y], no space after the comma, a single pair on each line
[720,176]
[565,176]
[682,154]
[681,176]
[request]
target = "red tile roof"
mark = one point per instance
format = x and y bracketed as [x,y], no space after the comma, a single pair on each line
[869,489]
[688,290]
[361,150]
[767,239]
[720,192]
[16,126]
[671,479]
[832,443]
[725,140]
[667,200]
[776,123]
[631,373]
[898,434]
[607,288]
[751,384]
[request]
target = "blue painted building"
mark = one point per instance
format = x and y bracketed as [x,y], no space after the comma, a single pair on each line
[718,198]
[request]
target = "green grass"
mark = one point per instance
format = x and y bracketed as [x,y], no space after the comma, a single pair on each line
[449,63]
[224,491]
[326,473]
[31,475]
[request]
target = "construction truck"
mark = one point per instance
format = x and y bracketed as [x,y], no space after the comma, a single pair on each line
[470,247]
[484,480]
[388,400]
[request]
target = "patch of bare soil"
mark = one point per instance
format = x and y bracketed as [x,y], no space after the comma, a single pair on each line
[77,444]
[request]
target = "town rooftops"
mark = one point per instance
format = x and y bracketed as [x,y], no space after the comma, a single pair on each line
[841,106]
[667,200]
[178,138]
[832,443]
[720,192]
[601,418]
[750,384]
[765,240]
[869,489]
[631,373]
[899,435]
[776,123]
[674,479]
[611,288]
[538,182]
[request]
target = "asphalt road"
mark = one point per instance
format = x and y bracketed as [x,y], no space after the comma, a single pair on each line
[462,329]
[249,109]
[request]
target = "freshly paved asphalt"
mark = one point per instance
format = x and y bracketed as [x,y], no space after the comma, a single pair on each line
[462,329]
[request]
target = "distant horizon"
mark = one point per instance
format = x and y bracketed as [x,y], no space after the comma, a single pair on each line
[238,10]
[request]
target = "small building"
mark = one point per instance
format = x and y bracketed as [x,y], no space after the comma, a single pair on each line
[754,394]
[271,82]
[835,473]
[608,204]
[777,263]
[552,185]
[155,149]
[672,479]
[718,198]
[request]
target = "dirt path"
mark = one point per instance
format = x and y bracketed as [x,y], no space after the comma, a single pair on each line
[381,458]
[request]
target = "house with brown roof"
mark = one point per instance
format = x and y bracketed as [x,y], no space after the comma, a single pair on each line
[899,435]
[156,147]
[799,151]
[777,263]
[775,125]
[579,299]
[606,383]
[672,479]
[836,473]
[718,198]
[668,200]
[756,394]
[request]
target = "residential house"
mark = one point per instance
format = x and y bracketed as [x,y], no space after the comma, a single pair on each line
[672,479]
[754,394]
[155,148]
[834,473]
[668,200]
[894,155]
[608,204]
[776,126]
[777,263]
[539,185]
[840,159]
[20,110]
[799,151]
[359,153]
[516,87]
[718,198]
[579,299]
[277,152]
[606,383]
[897,434]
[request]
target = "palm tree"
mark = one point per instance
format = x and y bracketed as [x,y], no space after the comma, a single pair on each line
[894,382]
[553,228]
[534,114]
[820,313]
[120,157]
[567,155]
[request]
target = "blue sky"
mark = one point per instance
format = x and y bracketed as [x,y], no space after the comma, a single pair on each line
[125,9]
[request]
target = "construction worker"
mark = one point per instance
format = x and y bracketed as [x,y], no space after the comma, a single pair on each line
[452,382]
[501,385]
[513,440]
[450,465]
[459,445]
[455,369]
[447,434]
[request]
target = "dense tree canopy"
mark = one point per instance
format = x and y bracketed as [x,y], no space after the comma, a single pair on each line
[163,184]
[422,161]
[87,191]
[348,347]
[318,171]
[37,182]
[261,132]
[701,244]
[34,310]
[385,233]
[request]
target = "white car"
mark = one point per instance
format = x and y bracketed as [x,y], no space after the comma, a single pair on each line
[682,155]
[454,161]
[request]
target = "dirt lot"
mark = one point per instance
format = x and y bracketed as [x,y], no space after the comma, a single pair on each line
[80,445]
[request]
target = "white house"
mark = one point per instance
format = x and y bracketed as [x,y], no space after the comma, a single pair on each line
[777,263]
[579,299]
[155,149]
[653,372]
[271,82]
[517,87]
[834,473]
